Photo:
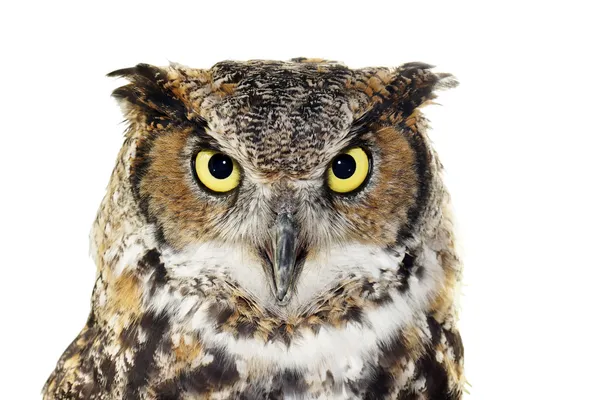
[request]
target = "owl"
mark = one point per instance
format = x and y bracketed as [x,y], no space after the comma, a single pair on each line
[272,230]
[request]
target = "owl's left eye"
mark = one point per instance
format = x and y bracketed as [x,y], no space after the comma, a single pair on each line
[217,171]
[348,170]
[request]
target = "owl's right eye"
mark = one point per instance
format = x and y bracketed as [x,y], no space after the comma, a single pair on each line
[217,171]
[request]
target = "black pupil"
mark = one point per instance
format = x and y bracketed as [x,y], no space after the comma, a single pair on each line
[343,166]
[220,166]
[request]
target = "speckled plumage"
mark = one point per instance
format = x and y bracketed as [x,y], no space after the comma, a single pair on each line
[184,305]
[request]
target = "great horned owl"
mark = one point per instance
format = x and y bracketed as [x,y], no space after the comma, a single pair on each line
[272,230]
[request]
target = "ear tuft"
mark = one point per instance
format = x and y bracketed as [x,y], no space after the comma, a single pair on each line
[416,84]
[148,96]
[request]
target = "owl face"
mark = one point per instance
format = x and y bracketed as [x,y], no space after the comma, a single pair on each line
[280,163]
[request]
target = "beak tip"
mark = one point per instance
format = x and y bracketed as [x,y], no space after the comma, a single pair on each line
[282,298]
[281,293]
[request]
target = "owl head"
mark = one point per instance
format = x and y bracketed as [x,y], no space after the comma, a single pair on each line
[283,178]
[272,229]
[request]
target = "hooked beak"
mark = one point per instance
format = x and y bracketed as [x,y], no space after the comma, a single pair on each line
[285,255]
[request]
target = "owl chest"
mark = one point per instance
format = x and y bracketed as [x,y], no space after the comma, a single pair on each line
[332,364]
[211,348]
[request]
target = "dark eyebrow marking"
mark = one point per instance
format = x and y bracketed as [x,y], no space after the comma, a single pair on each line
[202,135]
[201,125]
[362,125]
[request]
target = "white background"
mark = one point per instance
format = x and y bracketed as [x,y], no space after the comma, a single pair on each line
[519,139]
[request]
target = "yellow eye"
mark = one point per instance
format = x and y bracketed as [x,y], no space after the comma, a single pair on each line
[217,171]
[348,170]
